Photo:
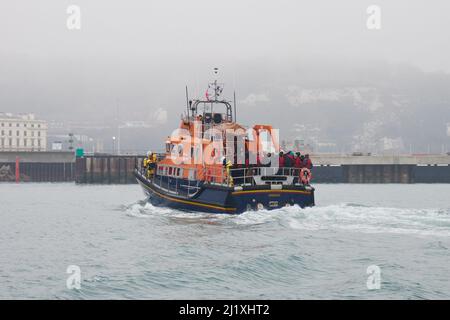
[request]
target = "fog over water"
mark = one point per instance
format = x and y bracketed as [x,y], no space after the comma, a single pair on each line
[303,66]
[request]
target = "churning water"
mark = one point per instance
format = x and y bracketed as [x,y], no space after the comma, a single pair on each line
[126,248]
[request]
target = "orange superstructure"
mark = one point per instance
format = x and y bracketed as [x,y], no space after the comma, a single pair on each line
[212,163]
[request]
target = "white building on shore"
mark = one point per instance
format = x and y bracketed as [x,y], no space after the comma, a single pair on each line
[22,133]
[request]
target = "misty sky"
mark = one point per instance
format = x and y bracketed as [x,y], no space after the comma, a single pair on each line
[415,32]
[140,54]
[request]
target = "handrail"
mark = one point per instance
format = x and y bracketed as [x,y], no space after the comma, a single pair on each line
[246,174]
[240,176]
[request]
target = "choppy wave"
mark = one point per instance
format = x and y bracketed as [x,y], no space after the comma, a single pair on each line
[435,222]
[133,250]
[143,209]
[231,270]
[345,216]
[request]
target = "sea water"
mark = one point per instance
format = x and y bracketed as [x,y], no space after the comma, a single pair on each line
[66,241]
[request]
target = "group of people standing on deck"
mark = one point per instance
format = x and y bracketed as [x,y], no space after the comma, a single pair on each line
[283,163]
[285,160]
[294,160]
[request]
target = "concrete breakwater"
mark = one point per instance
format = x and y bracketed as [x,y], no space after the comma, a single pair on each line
[381,169]
[37,166]
[328,168]
[107,169]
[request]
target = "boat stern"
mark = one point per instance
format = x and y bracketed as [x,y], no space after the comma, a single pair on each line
[272,197]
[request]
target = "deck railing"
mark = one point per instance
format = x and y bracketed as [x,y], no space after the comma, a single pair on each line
[236,177]
[245,176]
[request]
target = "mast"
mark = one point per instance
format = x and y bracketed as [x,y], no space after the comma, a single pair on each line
[234,103]
[187,102]
[216,70]
[212,99]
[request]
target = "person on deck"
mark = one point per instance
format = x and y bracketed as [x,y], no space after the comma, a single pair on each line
[298,163]
[149,164]
[303,162]
[227,164]
[145,161]
[152,165]
[298,160]
[289,160]
[308,162]
[280,163]
[281,159]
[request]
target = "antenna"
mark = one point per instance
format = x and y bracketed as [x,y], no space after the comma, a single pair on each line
[187,102]
[216,70]
[234,103]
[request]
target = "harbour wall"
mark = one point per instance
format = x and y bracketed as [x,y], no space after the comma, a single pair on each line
[107,169]
[37,166]
[361,173]
[328,168]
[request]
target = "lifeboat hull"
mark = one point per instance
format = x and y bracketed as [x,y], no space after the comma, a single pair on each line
[229,200]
